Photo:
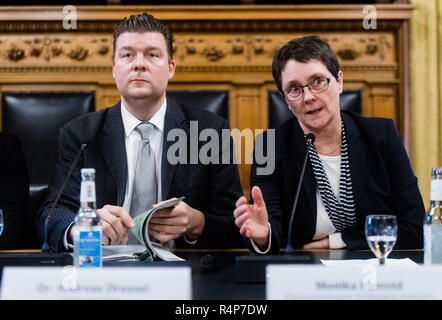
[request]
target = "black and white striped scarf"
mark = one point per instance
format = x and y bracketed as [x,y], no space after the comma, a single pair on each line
[342,212]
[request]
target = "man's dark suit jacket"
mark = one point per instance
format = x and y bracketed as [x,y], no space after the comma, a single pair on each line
[382,178]
[212,189]
[14,191]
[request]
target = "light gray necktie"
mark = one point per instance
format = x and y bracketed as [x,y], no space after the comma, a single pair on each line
[144,192]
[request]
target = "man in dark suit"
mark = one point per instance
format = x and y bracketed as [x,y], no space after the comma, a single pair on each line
[357,166]
[116,148]
[14,191]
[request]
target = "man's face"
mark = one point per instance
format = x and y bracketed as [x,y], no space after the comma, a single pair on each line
[314,111]
[141,67]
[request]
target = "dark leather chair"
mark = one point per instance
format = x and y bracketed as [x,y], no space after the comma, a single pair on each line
[216,101]
[279,111]
[36,117]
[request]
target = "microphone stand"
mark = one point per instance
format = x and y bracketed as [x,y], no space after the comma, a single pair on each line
[45,247]
[289,248]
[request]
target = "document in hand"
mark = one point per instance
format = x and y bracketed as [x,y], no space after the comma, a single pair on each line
[129,252]
[159,251]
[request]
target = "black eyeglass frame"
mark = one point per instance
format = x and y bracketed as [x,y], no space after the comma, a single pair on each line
[308,86]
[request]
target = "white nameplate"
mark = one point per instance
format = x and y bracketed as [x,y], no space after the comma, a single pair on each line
[301,282]
[116,283]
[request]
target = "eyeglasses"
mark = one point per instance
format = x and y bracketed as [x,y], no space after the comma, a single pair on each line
[317,85]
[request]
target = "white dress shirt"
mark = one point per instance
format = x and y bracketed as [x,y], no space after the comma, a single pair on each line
[133,138]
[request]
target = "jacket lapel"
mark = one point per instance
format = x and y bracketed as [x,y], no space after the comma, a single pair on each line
[297,152]
[174,119]
[113,147]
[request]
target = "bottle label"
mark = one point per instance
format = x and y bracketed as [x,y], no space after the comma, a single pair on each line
[87,192]
[89,248]
[436,190]
[427,244]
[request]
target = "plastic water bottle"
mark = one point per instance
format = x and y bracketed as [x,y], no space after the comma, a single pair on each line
[87,225]
[433,221]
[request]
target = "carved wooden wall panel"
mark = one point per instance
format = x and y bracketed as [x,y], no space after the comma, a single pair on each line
[218,47]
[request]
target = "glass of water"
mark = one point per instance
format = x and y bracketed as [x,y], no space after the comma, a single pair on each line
[381,235]
[1,221]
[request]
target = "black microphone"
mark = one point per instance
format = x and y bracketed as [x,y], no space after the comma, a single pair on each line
[45,247]
[310,138]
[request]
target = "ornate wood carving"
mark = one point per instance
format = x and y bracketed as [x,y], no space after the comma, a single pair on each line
[194,53]
[50,50]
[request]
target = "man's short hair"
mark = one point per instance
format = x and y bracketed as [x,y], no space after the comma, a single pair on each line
[303,50]
[144,23]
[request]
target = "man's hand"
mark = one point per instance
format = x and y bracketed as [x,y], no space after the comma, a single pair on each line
[252,219]
[323,243]
[115,222]
[172,223]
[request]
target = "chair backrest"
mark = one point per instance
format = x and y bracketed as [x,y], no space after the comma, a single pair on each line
[279,111]
[216,101]
[36,117]
[37,195]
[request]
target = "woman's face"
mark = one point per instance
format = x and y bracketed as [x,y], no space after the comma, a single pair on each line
[314,111]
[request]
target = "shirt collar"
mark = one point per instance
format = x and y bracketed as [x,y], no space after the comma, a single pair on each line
[130,121]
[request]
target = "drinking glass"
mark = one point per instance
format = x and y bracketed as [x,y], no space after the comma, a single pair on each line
[381,235]
[1,221]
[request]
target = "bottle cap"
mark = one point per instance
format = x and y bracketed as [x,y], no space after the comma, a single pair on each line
[88,170]
[88,173]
